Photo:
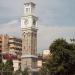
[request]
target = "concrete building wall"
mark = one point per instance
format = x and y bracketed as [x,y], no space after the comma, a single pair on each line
[15,45]
[46,54]
[10,44]
[4,43]
[0,49]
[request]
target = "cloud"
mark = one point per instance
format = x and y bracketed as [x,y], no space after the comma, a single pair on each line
[10,10]
[47,34]
[11,28]
[56,16]
[50,12]
[57,12]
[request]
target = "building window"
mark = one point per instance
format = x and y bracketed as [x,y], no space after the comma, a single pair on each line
[26,9]
[24,47]
[24,36]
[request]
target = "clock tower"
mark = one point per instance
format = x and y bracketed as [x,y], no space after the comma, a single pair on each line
[29,37]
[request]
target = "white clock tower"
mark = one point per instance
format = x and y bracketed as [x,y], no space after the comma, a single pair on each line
[29,37]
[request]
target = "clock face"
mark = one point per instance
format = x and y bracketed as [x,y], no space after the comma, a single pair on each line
[26,21]
[34,22]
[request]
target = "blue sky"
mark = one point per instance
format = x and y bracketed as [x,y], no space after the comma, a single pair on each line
[56,19]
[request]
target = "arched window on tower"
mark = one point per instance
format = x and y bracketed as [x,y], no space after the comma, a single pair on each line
[26,10]
[24,34]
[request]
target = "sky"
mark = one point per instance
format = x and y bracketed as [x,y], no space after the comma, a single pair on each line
[56,19]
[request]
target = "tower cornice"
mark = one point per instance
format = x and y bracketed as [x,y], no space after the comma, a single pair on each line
[33,16]
[29,56]
[27,3]
[29,28]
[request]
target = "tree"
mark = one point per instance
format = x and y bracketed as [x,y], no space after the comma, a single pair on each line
[8,68]
[18,72]
[1,67]
[43,71]
[63,58]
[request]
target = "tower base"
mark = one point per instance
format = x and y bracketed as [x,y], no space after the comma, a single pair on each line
[33,72]
[29,62]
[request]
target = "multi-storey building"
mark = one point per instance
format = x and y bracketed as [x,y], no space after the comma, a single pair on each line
[15,45]
[0,43]
[10,44]
[43,57]
[39,61]
[4,43]
[10,48]
[46,54]
[0,49]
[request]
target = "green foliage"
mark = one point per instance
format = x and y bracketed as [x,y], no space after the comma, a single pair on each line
[18,72]
[1,65]
[7,68]
[43,71]
[63,58]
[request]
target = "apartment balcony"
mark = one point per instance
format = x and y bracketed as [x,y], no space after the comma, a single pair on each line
[11,41]
[15,44]
[18,43]
[12,48]
[16,48]
[11,45]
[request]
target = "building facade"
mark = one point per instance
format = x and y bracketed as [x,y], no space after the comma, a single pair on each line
[29,37]
[0,49]
[10,44]
[43,57]
[4,43]
[15,46]
[15,60]
[10,48]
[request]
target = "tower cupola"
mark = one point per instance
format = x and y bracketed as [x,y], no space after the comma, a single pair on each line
[29,8]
